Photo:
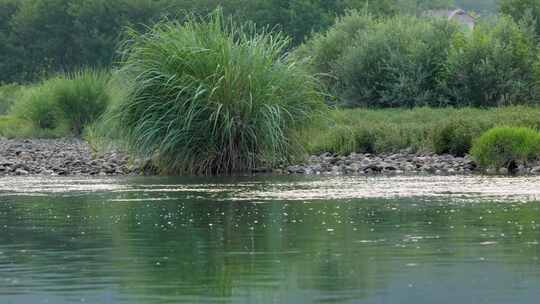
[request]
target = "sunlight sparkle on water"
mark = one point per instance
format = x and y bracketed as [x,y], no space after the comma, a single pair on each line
[456,188]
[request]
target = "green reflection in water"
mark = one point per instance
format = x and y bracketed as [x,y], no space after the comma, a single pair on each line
[206,247]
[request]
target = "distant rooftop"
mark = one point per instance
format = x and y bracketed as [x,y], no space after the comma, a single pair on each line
[458,15]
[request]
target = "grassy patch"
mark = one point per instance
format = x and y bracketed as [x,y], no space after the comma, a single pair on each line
[13,127]
[444,130]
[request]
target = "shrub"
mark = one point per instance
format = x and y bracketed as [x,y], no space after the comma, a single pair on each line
[496,65]
[211,97]
[455,136]
[506,147]
[395,61]
[522,10]
[410,61]
[325,49]
[37,105]
[82,97]
[68,101]
[398,62]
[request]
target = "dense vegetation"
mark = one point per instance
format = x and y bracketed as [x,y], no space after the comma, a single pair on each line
[522,10]
[207,95]
[447,130]
[212,97]
[410,61]
[43,37]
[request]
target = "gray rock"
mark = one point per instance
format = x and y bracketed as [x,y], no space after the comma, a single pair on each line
[317,168]
[296,169]
[491,171]
[21,172]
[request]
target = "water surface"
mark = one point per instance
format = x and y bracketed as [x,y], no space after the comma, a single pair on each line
[270,240]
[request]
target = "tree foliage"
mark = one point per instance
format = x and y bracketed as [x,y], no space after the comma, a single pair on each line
[527,11]
[42,37]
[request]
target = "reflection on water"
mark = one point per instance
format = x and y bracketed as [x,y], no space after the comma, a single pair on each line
[270,240]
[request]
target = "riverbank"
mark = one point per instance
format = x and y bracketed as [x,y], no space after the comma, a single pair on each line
[394,163]
[399,163]
[59,157]
[75,157]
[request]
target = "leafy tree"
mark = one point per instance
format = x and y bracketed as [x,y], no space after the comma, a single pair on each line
[42,37]
[7,58]
[528,10]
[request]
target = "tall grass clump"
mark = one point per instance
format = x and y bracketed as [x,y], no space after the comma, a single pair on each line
[65,104]
[211,97]
[506,147]
[497,64]
[37,106]
[82,97]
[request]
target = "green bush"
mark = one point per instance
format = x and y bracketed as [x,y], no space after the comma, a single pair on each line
[82,97]
[383,62]
[495,65]
[37,105]
[410,61]
[325,49]
[506,147]
[456,136]
[65,103]
[522,10]
[211,97]
[397,62]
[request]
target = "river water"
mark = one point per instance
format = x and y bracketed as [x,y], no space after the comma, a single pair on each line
[270,240]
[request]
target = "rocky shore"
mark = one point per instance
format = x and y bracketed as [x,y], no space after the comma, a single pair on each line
[397,163]
[59,157]
[76,157]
